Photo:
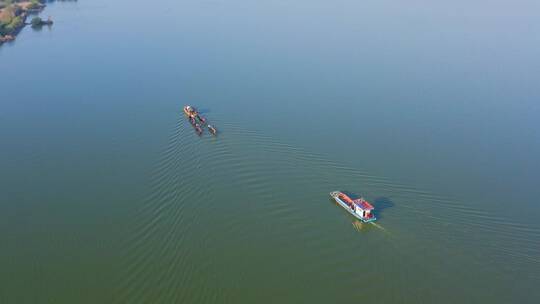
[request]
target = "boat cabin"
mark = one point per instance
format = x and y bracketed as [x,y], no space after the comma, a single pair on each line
[363,208]
[359,206]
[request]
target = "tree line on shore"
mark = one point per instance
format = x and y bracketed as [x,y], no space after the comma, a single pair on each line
[13,15]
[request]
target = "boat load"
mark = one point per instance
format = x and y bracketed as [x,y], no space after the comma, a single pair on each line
[359,208]
[198,121]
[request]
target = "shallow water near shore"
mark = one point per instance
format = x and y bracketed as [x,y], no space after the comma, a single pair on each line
[429,111]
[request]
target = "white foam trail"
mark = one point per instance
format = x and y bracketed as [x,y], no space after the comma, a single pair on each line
[380,227]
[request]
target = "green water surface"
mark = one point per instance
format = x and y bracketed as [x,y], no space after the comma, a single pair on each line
[429,110]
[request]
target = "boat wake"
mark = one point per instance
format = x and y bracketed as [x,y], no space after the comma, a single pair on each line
[195,211]
[380,227]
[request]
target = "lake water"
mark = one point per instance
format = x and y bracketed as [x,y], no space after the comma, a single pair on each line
[429,110]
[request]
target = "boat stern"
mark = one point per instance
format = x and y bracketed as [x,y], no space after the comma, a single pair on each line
[369,220]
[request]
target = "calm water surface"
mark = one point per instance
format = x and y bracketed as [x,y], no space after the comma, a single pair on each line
[429,110]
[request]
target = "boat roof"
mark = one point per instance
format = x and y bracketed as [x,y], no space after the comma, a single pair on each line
[363,204]
[360,202]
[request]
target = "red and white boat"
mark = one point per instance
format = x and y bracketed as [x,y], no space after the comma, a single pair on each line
[360,208]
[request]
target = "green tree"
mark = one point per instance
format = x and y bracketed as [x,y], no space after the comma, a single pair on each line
[36,21]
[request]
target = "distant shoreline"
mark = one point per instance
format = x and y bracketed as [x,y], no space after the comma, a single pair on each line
[13,17]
